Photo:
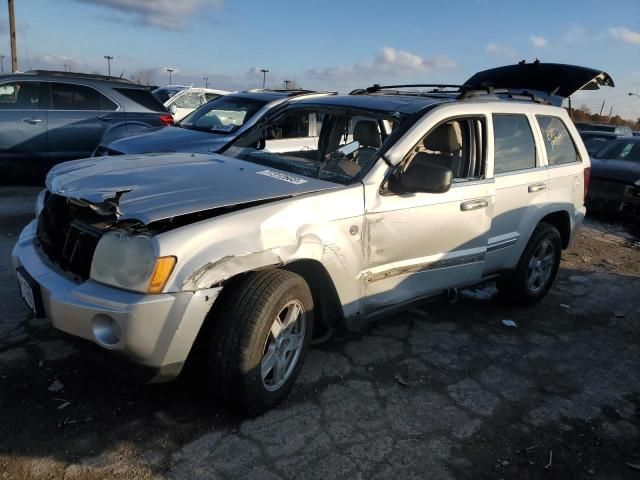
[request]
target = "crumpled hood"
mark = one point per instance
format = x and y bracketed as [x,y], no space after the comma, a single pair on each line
[618,170]
[157,186]
[170,139]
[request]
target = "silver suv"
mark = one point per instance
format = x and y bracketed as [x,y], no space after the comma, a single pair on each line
[238,259]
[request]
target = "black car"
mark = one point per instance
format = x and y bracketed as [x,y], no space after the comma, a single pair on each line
[50,117]
[594,140]
[615,177]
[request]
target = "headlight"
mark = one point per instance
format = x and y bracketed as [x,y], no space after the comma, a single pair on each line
[128,261]
[40,201]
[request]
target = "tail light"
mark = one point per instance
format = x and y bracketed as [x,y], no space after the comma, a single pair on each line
[587,177]
[166,120]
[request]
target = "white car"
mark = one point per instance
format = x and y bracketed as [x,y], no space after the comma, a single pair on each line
[237,259]
[186,101]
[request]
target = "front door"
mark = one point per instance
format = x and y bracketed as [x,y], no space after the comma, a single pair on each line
[421,243]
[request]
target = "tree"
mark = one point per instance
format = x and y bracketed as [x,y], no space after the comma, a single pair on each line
[291,85]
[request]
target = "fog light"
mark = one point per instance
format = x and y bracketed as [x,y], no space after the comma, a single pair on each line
[106,331]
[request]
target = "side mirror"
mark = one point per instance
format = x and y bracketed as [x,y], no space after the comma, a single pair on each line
[424,176]
[173,109]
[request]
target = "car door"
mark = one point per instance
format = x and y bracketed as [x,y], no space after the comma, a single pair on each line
[23,125]
[421,243]
[78,117]
[521,187]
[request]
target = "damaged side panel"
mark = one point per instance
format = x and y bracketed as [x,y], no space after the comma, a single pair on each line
[276,234]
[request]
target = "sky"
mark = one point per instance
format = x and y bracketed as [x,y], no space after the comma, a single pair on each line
[330,44]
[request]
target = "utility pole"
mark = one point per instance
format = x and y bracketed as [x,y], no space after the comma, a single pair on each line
[108,58]
[264,76]
[12,33]
[610,112]
[601,108]
[206,82]
[570,109]
[170,70]
[2,64]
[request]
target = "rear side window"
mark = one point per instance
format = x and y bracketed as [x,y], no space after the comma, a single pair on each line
[65,96]
[143,98]
[557,141]
[19,95]
[513,144]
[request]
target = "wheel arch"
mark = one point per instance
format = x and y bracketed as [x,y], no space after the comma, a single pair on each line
[562,221]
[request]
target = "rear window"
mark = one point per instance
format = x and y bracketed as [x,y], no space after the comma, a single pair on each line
[143,98]
[557,141]
[620,150]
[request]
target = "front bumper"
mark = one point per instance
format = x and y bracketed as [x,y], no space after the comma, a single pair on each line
[155,330]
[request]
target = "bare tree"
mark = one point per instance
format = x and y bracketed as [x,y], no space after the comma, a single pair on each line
[143,76]
[291,85]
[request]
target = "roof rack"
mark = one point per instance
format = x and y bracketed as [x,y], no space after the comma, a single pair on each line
[437,88]
[93,76]
[462,92]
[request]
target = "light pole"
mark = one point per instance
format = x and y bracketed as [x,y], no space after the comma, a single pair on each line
[264,76]
[108,58]
[2,63]
[170,70]
[206,82]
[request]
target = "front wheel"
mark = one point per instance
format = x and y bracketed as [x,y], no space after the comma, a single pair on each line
[260,339]
[536,269]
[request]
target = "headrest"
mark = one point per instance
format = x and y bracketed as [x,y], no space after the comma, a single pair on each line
[443,139]
[367,134]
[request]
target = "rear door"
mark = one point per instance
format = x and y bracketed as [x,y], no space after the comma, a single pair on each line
[23,125]
[521,187]
[78,117]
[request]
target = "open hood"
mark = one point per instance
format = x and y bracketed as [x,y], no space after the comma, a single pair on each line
[157,186]
[554,79]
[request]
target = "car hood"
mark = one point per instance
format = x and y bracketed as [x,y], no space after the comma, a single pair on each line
[170,139]
[158,186]
[617,170]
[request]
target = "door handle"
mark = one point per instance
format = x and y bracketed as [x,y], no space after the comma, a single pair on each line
[473,205]
[32,120]
[537,187]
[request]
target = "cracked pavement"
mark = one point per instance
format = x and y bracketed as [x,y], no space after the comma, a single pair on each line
[440,392]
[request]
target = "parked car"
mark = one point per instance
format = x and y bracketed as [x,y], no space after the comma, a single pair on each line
[49,117]
[165,93]
[237,258]
[186,101]
[594,140]
[603,127]
[211,126]
[615,177]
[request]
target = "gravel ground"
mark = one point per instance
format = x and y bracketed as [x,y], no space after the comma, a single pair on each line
[440,392]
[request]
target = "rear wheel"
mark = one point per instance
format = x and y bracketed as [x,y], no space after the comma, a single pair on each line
[536,270]
[260,338]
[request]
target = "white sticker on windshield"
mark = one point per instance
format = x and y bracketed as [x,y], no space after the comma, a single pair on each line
[282,176]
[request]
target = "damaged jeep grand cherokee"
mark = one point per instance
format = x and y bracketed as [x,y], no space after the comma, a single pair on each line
[400,194]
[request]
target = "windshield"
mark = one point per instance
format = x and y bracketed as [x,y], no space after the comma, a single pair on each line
[222,115]
[593,143]
[620,150]
[331,144]
[164,94]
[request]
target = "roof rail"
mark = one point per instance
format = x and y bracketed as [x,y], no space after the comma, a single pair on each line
[379,88]
[93,76]
[300,91]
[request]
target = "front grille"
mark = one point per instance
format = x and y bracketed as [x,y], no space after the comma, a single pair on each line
[65,238]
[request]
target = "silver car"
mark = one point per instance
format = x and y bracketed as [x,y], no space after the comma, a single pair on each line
[237,260]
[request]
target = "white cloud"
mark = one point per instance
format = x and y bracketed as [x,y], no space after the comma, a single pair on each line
[625,34]
[501,51]
[166,14]
[388,62]
[575,34]
[538,41]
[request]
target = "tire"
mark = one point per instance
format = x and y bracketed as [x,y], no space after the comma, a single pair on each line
[529,283]
[243,345]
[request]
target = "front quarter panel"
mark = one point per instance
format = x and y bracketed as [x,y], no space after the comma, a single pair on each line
[325,227]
